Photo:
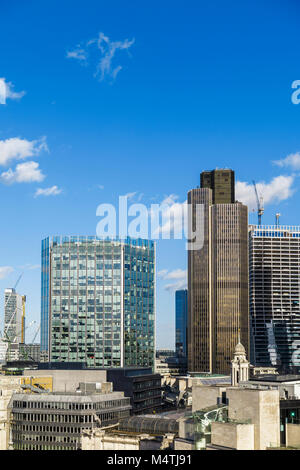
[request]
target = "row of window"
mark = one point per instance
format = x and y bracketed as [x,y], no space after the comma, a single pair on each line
[70,406]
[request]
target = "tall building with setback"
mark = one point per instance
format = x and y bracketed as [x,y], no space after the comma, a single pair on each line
[274,280]
[217,275]
[14,315]
[98,301]
[181,307]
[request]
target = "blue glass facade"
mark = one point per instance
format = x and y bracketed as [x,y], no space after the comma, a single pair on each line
[98,301]
[181,306]
[45,277]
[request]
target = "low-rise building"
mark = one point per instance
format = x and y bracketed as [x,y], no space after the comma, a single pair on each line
[23,352]
[287,385]
[114,439]
[140,385]
[55,421]
[8,386]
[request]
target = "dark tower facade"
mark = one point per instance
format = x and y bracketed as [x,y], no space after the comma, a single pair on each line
[221,182]
[218,276]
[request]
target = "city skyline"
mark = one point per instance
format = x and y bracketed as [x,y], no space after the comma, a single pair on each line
[77,130]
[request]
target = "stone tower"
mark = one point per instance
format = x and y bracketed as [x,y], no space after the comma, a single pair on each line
[239,366]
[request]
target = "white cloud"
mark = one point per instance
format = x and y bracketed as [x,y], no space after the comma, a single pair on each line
[24,173]
[5,271]
[130,195]
[30,267]
[174,216]
[134,195]
[79,53]
[19,149]
[53,191]
[7,92]
[292,161]
[107,50]
[277,190]
[178,276]
[162,273]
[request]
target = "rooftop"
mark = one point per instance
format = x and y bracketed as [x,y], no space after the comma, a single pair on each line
[275,378]
[77,397]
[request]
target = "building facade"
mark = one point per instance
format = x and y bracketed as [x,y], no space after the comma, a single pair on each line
[57,421]
[181,308]
[274,266]
[217,276]
[141,386]
[98,301]
[23,352]
[14,315]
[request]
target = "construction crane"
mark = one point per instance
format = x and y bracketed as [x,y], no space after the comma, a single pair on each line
[30,324]
[38,329]
[260,206]
[10,342]
[8,299]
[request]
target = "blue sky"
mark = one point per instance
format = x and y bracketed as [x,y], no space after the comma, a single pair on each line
[173,88]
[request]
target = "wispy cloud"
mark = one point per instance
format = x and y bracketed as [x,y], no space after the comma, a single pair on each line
[174,216]
[291,161]
[130,196]
[27,172]
[277,190]
[53,191]
[7,91]
[5,271]
[177,276]
[103,52]
[134,195]
[19,149]
[78,53]
[30,267]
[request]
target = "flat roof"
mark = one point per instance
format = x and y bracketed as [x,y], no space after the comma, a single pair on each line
[69,397]
[275,378]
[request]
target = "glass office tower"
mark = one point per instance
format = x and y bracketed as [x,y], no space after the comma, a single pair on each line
[98,301]
[181,307]
[274,265]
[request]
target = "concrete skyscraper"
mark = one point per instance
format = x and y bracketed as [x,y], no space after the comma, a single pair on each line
[274,266]
[98,301]
[218,276]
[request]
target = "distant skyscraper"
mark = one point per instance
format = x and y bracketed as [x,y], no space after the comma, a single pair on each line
[218,276]
[14,315]
[98,301]
[181,306]
[274,266]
